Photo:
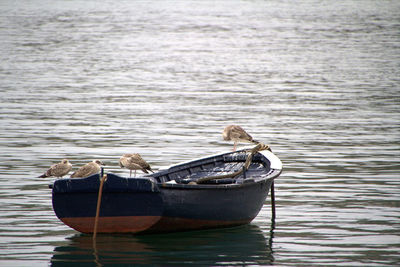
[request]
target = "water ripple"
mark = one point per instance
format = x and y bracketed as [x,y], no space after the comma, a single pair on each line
[317,81]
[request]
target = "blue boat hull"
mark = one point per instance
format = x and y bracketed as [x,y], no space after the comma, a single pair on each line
[201,208]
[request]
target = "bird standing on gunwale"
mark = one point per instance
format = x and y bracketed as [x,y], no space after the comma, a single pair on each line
[134,162]
[88,169]
[58,170]
[236,134]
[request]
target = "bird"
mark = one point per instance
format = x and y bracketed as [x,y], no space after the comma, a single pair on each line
[236,134]
[90,168]
[134,162]
[58,170]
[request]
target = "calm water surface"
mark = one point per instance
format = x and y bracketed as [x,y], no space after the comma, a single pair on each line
[318,80]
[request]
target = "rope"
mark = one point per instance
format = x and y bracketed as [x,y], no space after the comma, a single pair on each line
[96,220]
[253,151]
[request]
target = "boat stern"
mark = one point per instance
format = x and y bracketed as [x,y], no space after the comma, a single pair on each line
[128,205]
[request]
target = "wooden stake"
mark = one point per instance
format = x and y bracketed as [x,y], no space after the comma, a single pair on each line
[273,202]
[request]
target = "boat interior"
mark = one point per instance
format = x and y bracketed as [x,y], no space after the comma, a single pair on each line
[219,165]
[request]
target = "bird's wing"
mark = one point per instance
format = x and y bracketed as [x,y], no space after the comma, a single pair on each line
[52,169]
[142,162]
[84,171]
[240,133]
[60,169]
[122,161]
[138,162]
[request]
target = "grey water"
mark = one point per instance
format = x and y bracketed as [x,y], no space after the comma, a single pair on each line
[317,80]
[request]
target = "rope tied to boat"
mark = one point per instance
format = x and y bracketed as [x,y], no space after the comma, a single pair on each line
[246,165]
[96,220]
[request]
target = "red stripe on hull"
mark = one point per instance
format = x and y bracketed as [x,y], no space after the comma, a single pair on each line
[118,224]
[169,224]
[148,224]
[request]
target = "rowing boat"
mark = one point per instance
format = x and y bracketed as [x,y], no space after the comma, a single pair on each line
[222,190]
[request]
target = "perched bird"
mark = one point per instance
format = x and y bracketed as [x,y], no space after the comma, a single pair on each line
[236,134]
[58,170]
[88,169]
[134,162]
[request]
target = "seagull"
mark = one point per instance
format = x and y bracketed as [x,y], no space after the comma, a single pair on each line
[88,169]
[236,134]
[134,162]
[58,170]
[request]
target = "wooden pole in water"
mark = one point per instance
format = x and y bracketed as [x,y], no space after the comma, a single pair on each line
[273,202]
[96,220]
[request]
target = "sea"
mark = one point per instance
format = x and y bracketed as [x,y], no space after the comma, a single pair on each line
[317,80]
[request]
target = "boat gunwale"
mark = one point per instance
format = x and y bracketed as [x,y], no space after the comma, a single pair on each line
[247,182]
[274,162]
[273,173]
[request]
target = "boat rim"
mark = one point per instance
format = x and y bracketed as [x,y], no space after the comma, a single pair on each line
[276,163]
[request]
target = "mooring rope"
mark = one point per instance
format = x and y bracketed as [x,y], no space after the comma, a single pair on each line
[246,165]
[96,220]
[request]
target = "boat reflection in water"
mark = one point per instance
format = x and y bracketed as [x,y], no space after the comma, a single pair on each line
[229,246]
